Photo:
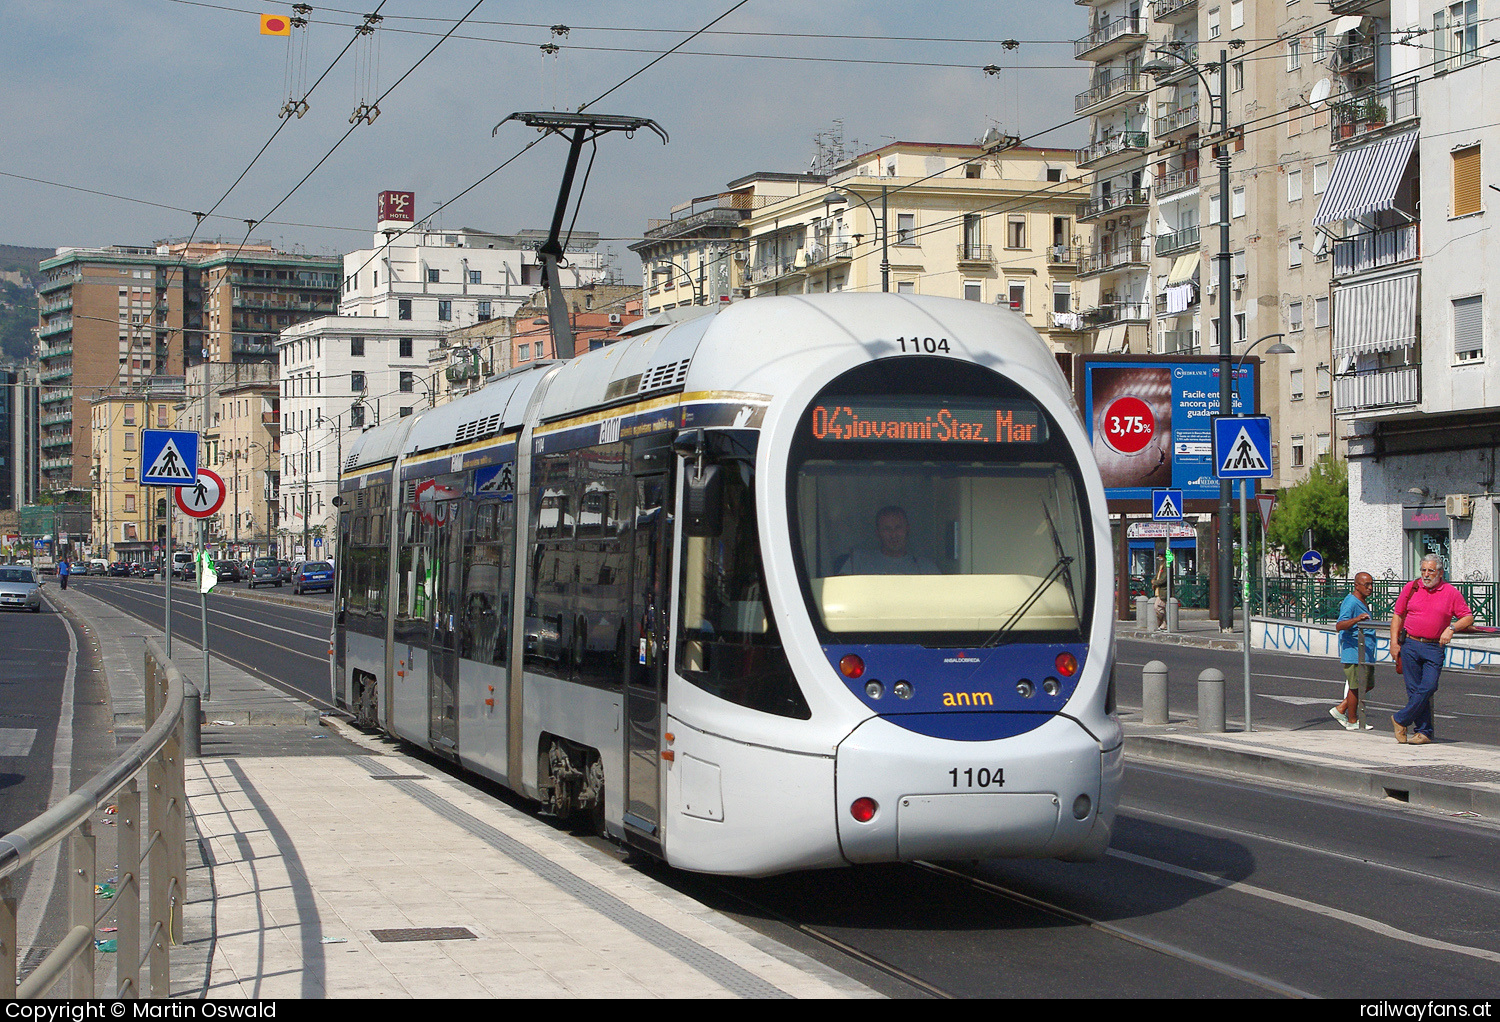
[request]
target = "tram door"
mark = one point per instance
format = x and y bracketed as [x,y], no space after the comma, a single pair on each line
[446,574]
[646,674]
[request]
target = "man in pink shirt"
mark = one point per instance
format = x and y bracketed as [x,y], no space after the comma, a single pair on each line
[1430,610]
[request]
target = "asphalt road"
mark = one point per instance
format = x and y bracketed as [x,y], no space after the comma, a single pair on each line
[286,644]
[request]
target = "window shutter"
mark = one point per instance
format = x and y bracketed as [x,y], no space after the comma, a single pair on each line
[1466,195]
[1468,325]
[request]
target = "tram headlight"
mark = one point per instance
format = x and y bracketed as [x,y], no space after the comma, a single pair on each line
[874,689]
[1051,686]
[863,809]
[1025,688]
[902,689]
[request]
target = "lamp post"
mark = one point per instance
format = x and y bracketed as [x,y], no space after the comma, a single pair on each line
[881,227]
[695,285]
[266,448]
[1156,68]
[338,468]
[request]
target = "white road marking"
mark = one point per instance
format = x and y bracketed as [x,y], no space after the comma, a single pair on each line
[1353,919]
[15,742]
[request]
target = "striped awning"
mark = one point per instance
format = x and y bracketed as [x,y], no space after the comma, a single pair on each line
[1184,269]
[1378,315]
[1365,180]
[1109,339]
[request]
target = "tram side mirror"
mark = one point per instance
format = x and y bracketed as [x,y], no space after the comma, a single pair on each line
[703,501]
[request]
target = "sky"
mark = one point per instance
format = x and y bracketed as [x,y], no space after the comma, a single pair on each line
[164,104]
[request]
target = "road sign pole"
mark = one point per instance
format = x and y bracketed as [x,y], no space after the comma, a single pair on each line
[208,691]
[166,566]
[1245,587]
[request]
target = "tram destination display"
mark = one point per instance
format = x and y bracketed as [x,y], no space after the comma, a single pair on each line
[934,421]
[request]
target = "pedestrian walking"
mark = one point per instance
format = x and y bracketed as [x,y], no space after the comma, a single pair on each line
[63,570]
[1159,587]
[1356,651]
[1429,611]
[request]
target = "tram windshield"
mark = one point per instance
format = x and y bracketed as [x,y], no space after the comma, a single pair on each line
[942,552]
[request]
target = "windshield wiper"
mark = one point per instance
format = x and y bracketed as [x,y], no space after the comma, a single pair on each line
[1057,570]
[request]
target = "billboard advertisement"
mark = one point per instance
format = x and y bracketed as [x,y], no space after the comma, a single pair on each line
[1150,423]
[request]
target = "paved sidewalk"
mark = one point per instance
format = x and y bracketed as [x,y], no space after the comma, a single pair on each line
[323,862]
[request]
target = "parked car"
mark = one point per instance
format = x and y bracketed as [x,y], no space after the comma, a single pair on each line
[313,575]
[229,570]
[98,566]
[265,571]
[119,569]
[19,588]
[288,569]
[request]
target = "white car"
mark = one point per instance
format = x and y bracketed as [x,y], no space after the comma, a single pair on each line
[19,588]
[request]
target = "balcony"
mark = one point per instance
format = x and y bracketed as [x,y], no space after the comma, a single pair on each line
[44,353]
[55,464]
[1352,54]
[48,308]
[1177,242]
[1352,6]
[1372,111]
[1114,201]
[1179,342]
[1382,389]
[976,254]
[1132,143]
[1062,255]
[53,375]
[57,440]
[1375,249]
[1109,93]
[1161,305]
[1176,181]
[1174,12]
[57,326]
[52,397]
[1120,257]
[66,280]
[1111,313]
[1179,71]
[1179,123]
[56,419]
[1110,39]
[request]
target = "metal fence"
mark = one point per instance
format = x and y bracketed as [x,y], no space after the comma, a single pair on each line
[163,859]
[1314,598]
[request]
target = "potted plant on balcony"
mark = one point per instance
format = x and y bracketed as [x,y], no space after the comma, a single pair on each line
[1372,113]
[1344,113]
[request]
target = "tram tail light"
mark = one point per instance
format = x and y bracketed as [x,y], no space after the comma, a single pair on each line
[851,665]
[1067,664]
[863,809]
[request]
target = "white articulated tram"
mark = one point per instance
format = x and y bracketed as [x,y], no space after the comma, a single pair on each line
[814,581]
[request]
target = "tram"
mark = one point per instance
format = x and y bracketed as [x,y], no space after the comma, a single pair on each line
[811,581]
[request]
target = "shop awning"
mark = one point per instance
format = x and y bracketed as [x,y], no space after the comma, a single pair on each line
[1365,180]
[1184,269]
[1348,23]
[1378,315]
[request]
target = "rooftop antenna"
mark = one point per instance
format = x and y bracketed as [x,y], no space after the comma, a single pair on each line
[583,128]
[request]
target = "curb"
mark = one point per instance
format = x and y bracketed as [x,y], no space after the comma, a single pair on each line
[1426,792]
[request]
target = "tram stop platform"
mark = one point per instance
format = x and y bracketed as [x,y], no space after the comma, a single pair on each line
[324,862]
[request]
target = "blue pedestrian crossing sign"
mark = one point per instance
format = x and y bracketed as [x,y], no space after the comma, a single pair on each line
[169,457]
[1242,446]
[1166,505]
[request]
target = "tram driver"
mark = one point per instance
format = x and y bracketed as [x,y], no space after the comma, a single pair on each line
[892,556]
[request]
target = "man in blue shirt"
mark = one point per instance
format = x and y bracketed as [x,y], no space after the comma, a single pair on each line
[63,570]
[1354,610]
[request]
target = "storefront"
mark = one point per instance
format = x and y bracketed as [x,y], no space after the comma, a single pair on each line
[1148,542]
[1426,532]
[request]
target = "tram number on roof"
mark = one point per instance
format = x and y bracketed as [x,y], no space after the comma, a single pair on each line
[923,345]
[932,421]
[977,777]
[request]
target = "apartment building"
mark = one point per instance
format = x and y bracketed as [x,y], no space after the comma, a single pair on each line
[1414,318]
[19,432]
[697,256]
[129,520]
[121,315]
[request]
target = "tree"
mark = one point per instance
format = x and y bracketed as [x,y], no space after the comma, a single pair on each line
[1320,503]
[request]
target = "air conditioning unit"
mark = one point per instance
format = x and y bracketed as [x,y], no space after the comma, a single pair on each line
[1459,505]
[614,319]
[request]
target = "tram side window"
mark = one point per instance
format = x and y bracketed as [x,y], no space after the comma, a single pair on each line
[411,601]
[601,558]
[377,569]
[553,569]
[729,645]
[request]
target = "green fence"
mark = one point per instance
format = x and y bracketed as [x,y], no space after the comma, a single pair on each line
[1314,598]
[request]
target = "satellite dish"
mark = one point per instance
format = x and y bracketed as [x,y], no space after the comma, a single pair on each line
[991,137]
[1320,93]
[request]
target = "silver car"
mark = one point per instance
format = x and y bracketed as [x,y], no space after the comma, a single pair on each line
[19,588]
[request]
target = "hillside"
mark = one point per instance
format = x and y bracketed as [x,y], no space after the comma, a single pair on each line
[18,281]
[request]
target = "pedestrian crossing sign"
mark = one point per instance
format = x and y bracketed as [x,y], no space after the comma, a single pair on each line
[170,457]
[1166,505]
[1242,446]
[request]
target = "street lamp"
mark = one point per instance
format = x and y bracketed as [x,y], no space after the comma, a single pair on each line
[695,285]
[1156,68]
[882,228]
[270,541]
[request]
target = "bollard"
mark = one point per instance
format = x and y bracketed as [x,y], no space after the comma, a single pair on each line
[1143,613]
[1154,693]
[1172,606]
[192,721]
[1211,701]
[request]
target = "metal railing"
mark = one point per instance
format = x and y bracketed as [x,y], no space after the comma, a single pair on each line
[1371,110]
[1314,598]
[1383,388]
[172,706]
[1115,87]
[1176,181]
[1119,198]
[1177,241]
[1119,142]
[1104,34]
[968,253]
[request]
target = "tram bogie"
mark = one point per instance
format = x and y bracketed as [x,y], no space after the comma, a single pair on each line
[755,592]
